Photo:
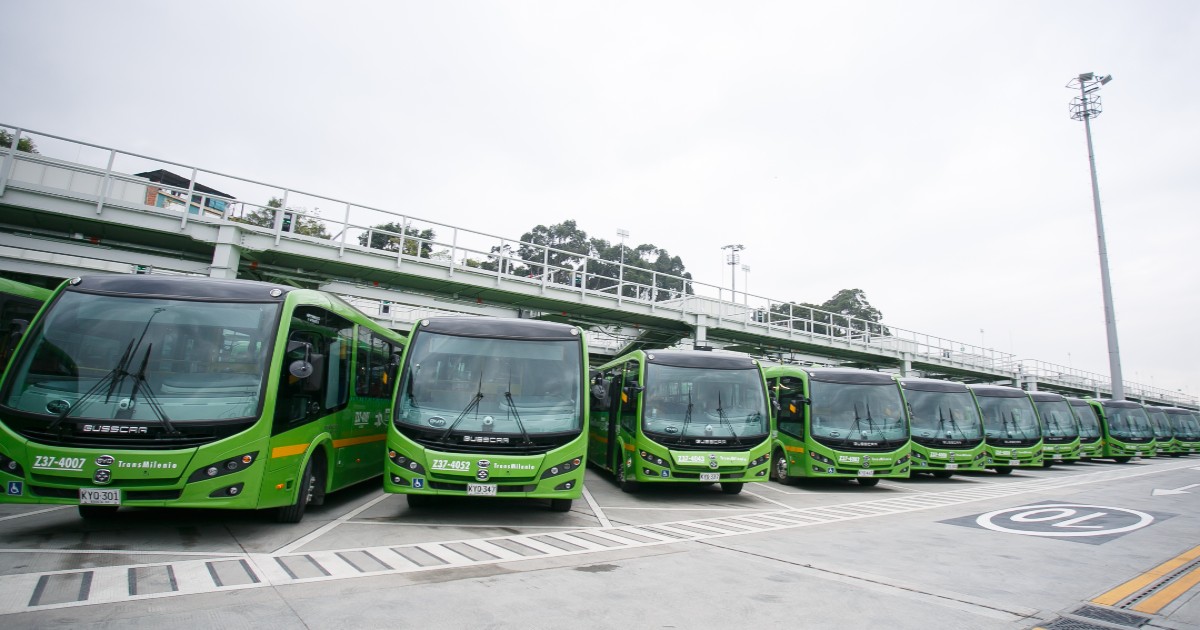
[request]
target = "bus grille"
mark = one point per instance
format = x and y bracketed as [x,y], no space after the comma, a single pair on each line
[155,437]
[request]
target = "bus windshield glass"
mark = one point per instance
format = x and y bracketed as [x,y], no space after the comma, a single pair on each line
[514,387]
[1057,419]
[701,402]
[1128,422]
[1185,425]
[1089,424]
[844,412]
[1009,418]
[137,358]
[948,415]
[1160,423]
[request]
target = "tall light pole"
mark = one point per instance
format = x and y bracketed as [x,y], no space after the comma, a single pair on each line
[746,289]
[622,234]
[732,259]
[1085,107]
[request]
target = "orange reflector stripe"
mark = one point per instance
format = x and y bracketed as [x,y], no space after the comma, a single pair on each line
[629,447]
[288,451]
[794,449]
[359,440]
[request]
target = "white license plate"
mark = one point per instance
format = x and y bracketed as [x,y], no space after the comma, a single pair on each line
[866,473]
[1014,462]
[1057,457]
[481,489]
[951,466]
[100,496]
[710,476]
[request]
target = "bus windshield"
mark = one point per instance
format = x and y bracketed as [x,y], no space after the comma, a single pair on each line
[949,415]
[1009,418]
[1128,422]
[854,411]
[1089,424]
[514,387]
[137,358]
[1057,419]
[1162,426]
[1185,426]
[703,402]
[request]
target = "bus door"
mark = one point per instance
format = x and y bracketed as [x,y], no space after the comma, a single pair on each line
[790,417]
[623,397]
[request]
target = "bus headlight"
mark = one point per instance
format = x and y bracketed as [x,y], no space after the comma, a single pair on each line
[653,459]
[406,463]
[222,468]
[819,457]
[10,466]
[758,461]
[563,468]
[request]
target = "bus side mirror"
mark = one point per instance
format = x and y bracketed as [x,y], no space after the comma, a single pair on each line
[300,368]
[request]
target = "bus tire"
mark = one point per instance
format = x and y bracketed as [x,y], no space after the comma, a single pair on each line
[418,501]
[868,481]
[97,512]
[732,487]
[556,505]
[627,485]
[1121,460]
[295,512]
[943,474]
[1047,464]
[1003,470]
[779,468]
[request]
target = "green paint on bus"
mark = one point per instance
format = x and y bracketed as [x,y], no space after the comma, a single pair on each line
[1125,428]
[947,428]
[1010,421]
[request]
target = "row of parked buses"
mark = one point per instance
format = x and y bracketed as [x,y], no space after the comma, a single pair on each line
[195,392]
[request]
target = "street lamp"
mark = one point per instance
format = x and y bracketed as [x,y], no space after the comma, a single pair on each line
[732,259]
[623,234]
[746,289]
[1085,107]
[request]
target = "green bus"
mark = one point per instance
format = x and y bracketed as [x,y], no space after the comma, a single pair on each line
[169,391]
[19,302]
[1126,429]
[947,428]
[838,423]
[1014,437]
[1091,437]
[1060,429]
[1186,428]
[681,416]
[490,407]
[1164,436]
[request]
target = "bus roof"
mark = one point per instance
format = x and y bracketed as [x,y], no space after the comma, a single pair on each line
[997,391]
[932,385]
[700,359]
[191,287]
[499,327]
[850,376]
[1046,396]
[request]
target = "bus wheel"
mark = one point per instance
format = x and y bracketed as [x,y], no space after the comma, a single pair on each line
[1047,464]
[732,487]
[780,469]
[868,481]
[1121,460]
[1002,470]
[308,485]
[556,505]
[627,485]
[943,474]
[96,512]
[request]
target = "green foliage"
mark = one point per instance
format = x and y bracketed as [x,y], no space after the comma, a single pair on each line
[391,242]
[26,144]
[848,302]
[292,222]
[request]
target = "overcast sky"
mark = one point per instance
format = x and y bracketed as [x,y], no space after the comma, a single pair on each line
[920,151]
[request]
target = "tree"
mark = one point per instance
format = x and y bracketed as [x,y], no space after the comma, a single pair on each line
[391,242]
[26,144]
[847,302]
[568,247]
[292,222]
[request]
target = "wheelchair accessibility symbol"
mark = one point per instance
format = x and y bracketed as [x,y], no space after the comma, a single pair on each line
[1065,520]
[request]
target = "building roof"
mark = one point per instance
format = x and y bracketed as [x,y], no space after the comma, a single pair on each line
[162,176]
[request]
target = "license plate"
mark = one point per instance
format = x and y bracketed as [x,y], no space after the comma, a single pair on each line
[710,476]
[481,489]
[1014,462]
[866,473]
[1057,457]
[951,466]
[100,496]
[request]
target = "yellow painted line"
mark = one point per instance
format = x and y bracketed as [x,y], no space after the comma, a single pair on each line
[794,449]
[1159,600]
[288,451]
[359,440]
[1142,581]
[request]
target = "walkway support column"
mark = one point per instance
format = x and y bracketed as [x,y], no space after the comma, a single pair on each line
[701,336]
[227,255]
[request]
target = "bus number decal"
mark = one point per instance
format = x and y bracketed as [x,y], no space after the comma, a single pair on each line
[445,464]
[50,462]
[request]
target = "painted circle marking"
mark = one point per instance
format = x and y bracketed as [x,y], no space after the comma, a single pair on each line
[1058,511]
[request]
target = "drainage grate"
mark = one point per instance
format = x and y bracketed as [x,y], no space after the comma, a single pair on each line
[1111,616]
[1062,623]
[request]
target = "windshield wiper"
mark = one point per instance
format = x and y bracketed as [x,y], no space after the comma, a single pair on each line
[112,379]
[721,415]
[141,384]
[687,418]
[871,424]
[516,416]
[462,414]
[857,426]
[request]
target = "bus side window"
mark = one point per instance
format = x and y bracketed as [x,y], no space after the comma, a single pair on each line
[791,406]
[323,340]
[628,396]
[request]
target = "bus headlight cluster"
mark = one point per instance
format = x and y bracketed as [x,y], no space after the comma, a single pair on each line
[903,460]
[758,461]
[563,468]
[229,466]
[819,457]
[653,459]
[406,463]
[917,455]
[10,466]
